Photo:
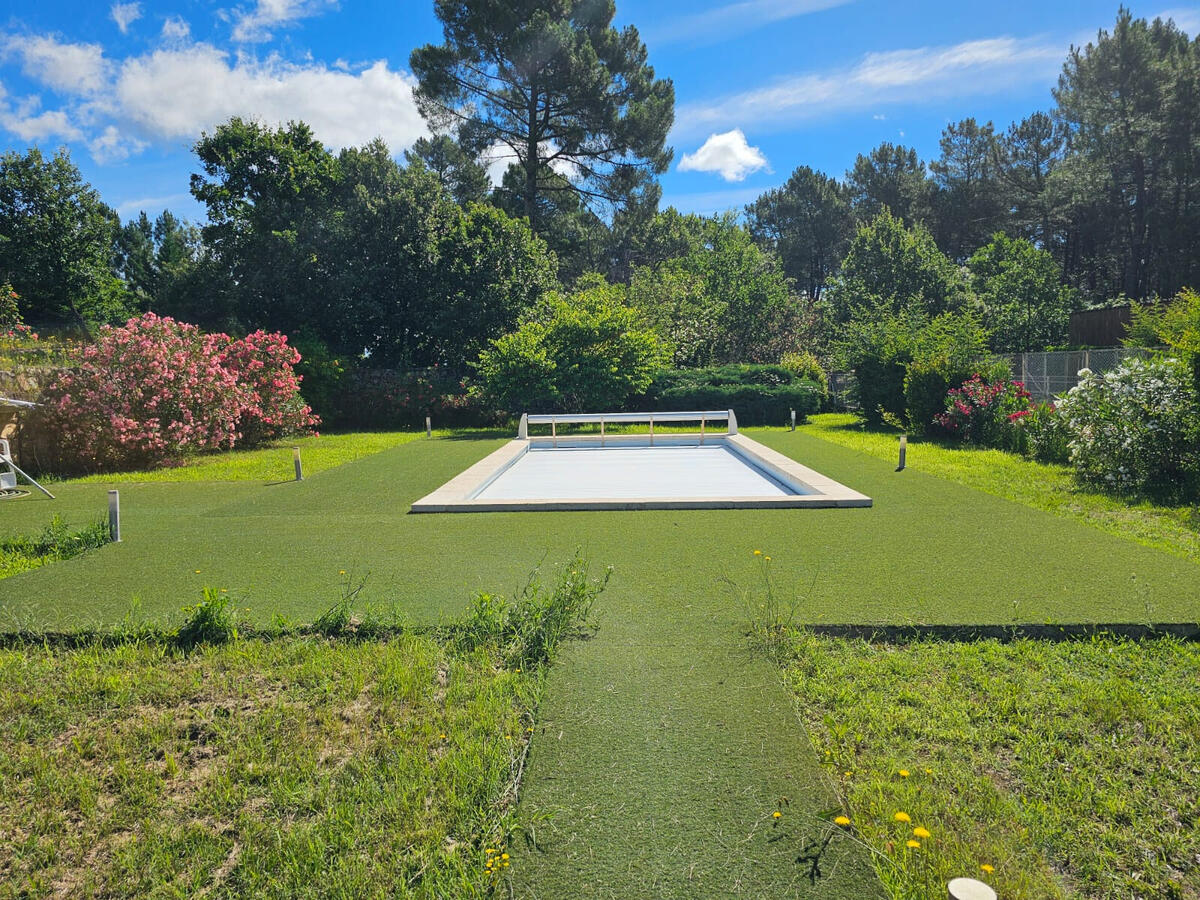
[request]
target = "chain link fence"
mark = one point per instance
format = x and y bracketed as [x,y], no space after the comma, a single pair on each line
[1050,375]
[1045,375]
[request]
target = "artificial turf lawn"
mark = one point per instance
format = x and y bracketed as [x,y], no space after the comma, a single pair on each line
[929,550]
[1047,486]
[665,743]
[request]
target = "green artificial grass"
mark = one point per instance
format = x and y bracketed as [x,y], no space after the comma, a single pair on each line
[1045,486]
[267,464]
[1071,769]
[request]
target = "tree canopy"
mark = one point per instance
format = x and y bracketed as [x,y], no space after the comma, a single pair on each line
[552,85]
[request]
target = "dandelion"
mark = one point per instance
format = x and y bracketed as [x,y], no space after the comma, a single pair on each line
[904,773]
[912,845]
[767,558]
[902,817]
[921,832]
[758,553]
[777,815]
[929,771]
[197,571]
[443,737]
[341,571]
[847,774]
[842,821]
[504,856]
[988,868]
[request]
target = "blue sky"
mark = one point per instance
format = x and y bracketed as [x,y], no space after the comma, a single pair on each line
[762,86]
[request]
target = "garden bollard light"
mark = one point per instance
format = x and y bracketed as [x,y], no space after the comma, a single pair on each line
[296,462]
[428,428]
[969,889]
[793,420]
[903,451]
[114,516]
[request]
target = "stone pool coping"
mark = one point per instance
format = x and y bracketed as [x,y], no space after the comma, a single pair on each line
[456,495]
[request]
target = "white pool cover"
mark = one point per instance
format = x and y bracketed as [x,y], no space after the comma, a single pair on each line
[631,472]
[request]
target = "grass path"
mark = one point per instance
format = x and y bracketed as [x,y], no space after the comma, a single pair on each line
[665,747]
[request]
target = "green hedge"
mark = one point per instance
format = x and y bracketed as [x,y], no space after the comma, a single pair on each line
[759,395]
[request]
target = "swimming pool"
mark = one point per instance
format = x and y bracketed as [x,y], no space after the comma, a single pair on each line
[621,471]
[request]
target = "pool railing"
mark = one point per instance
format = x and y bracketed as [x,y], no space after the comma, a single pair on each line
[619,418]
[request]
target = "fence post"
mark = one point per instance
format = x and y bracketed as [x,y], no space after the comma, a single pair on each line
[114,516]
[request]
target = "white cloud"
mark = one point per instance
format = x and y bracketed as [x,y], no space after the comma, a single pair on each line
[257,24]
[26,122]
[992,65]
[733,19]
[112,145]
[177,93]
[68,68]
[125,14]
[727,154]
[182,88]
[1187,19]
[176,29]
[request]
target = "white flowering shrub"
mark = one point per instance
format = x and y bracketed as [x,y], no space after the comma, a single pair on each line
[1135,429]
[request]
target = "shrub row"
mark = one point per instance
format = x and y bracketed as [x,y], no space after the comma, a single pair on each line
[758,394]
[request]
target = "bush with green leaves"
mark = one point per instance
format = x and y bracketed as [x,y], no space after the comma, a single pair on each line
[587,351]
[758,394]
[1175,324]
[806,366]
[1136,429]
[1046,436]
[945,353]
[904,363]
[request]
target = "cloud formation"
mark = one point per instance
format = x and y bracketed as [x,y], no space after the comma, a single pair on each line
[728,155]
[125,14]
[121,106]
[992,65]
[258,24]
[728,21]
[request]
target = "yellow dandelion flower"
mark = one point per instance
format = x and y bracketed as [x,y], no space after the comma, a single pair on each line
[504,856]
[843,821]
[921,832]
[912,845]
[341,571]
[197,571]
[442,736]
[767,558]
[902,817]
[929,771]
[490,850]
[904,773]
[847,774]
[987,868]
[758,553]
[777,814]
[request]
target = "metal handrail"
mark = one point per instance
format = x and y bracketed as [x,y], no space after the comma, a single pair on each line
[603,419]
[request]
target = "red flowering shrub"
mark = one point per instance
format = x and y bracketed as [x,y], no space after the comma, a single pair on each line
[156,389]
[986,413]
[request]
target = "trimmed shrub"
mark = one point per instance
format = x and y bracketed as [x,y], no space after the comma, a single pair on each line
[758,394]
[1136,429]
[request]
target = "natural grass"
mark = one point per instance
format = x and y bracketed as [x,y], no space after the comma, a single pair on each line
[297,767]
[1071,768]
[266,464]
[197,761]
[1044,486]
[56,541]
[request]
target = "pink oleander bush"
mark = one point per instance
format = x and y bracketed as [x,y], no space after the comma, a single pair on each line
[987,413]
[155,390]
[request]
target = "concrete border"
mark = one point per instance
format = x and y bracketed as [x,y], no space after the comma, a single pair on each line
[459,493]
